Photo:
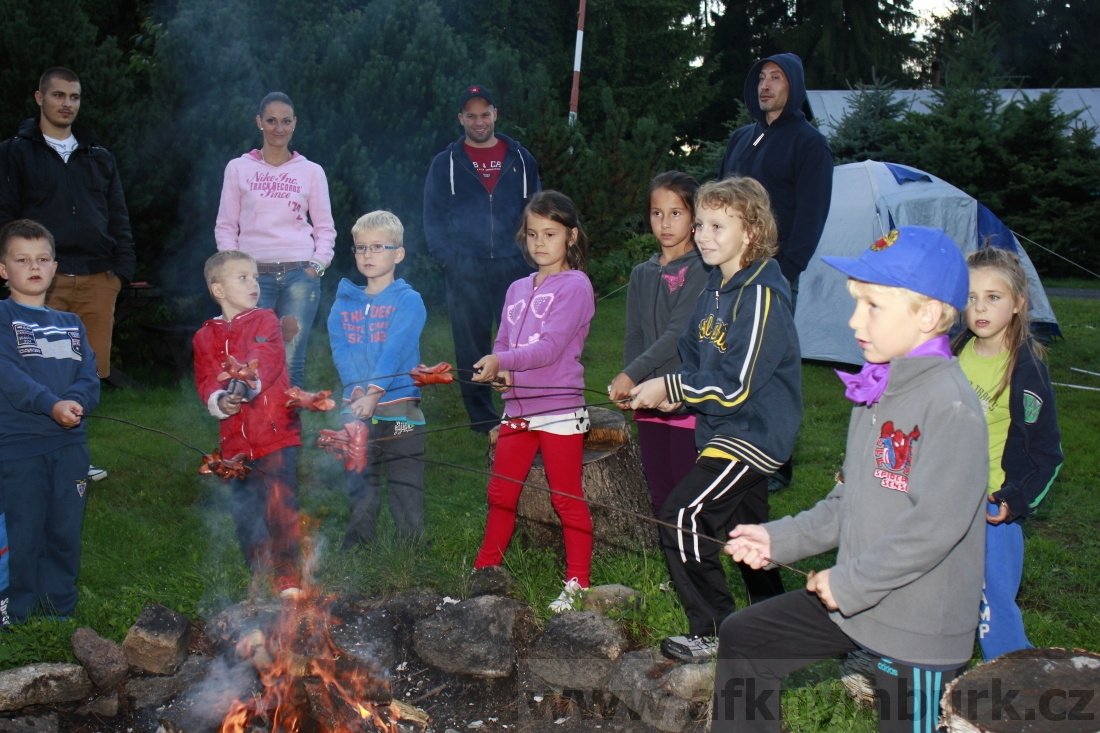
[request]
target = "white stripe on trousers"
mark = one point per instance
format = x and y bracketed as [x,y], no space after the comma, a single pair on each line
[698,503]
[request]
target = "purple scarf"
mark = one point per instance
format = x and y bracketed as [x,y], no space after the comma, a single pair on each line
[867,386]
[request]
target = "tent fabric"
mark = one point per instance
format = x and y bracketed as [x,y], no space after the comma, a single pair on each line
[869,199]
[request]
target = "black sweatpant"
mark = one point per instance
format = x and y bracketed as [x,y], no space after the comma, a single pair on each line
[758,645]
[396,448]
[715,496]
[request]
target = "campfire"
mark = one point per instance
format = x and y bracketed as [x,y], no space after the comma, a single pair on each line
[309,685]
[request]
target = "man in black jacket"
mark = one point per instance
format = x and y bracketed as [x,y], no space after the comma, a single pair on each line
[792,160]
[55,172]
[788,155]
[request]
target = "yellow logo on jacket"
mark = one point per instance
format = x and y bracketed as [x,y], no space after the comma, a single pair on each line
[714,330]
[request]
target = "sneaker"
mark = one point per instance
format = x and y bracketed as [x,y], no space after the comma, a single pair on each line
[569,597]
[96,474]
[692,649]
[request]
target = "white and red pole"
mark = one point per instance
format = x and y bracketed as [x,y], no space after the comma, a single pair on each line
[574,96]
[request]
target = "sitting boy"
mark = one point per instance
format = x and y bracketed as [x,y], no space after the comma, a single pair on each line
[908,516]
[742,376]
[375,336]
[49,385]
[255,422]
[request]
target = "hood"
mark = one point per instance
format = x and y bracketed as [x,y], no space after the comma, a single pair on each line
[791,65]
[456,146]
[352,291]
[765,273]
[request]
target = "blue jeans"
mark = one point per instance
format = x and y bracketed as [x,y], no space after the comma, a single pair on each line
[1001,629]
[265,512]
[294,294]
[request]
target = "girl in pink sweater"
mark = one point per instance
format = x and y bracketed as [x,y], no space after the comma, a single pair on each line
[539,344]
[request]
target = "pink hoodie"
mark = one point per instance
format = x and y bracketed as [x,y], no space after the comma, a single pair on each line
[264,210]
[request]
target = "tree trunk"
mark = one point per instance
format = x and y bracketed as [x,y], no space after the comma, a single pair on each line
[611,475]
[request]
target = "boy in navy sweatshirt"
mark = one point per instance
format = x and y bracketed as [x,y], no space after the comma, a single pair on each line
[49,385]
[375,336]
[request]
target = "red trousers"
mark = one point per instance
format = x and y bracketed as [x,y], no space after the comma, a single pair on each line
[561,456]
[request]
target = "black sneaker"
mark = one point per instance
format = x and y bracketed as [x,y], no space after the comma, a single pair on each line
[691,649]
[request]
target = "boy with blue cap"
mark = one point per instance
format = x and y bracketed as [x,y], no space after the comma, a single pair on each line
[906,516]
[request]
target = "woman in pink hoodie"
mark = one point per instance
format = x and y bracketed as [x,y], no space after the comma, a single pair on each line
[275,206]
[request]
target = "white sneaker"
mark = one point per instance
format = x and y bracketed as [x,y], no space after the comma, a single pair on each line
[690,648]
[96,474]
[569,597]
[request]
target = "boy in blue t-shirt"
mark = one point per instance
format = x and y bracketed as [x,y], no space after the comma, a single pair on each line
[375,334]
[49,385]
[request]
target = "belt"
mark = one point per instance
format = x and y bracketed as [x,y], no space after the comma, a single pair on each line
[279,268]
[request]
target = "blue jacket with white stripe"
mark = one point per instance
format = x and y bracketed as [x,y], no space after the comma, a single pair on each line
[742,369]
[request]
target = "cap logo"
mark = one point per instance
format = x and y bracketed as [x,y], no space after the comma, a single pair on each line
[475,89]
[888,239]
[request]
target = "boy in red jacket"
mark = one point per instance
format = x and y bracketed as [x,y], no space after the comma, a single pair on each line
[255,423]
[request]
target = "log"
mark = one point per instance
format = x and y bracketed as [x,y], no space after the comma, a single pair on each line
[612,474]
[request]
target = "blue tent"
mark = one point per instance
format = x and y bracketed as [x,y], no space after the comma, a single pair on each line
[870,199]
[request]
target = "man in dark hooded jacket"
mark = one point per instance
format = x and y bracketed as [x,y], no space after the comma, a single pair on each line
[792,160]
[787,155]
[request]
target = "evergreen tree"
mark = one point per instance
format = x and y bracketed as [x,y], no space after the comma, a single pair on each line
[957,138]
[845,42]
[1036,168]
[867,128]
[1038,43]
[34,37]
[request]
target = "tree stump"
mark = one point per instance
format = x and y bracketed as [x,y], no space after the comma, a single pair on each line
[612,474]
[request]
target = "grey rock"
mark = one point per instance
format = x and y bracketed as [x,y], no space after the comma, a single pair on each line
[227,627]
[691,682]
[490,581]
[42,684]
[414,605]
[577,651]
[104,659]
[473,637]
[366,635]
[103,706]
[638,680]
[148,692]
[157,642]
[47,723]
[604,597]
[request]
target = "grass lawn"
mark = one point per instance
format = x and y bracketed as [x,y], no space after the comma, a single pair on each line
[156,531]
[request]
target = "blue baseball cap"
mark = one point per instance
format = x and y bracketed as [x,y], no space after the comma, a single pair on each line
[921,259]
